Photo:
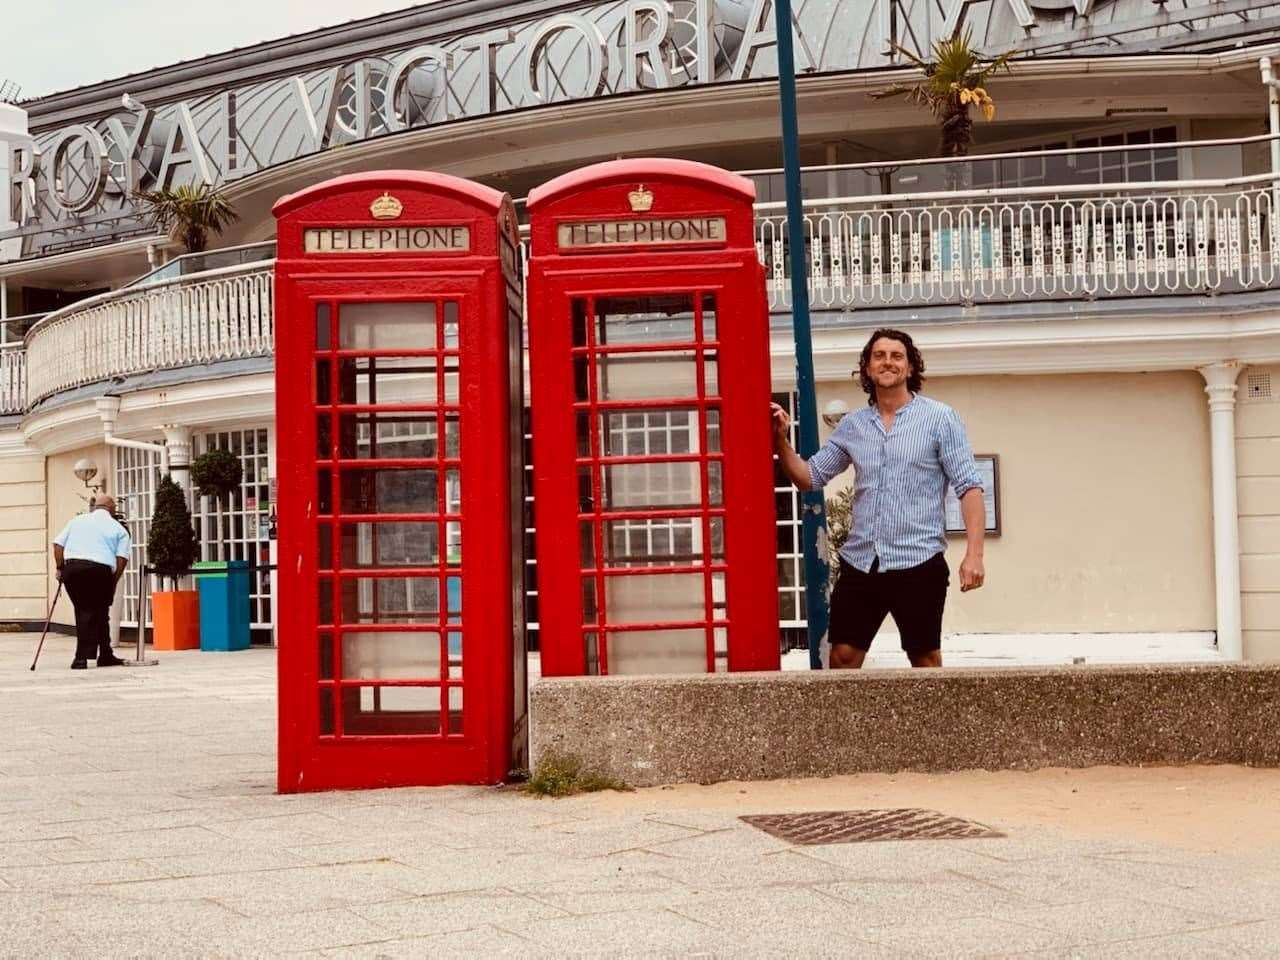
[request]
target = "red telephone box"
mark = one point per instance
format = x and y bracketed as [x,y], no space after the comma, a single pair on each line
[398,400]
[652,447]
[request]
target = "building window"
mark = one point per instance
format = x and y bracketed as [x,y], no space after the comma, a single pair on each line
[239,528]
[137,473]
[791,601]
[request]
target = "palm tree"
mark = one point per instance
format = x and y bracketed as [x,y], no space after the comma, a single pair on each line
[954,80]
[189,213]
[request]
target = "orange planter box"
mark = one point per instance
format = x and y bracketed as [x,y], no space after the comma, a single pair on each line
[176,615]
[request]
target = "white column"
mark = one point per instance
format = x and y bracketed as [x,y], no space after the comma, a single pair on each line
[1220,385]
[178,440]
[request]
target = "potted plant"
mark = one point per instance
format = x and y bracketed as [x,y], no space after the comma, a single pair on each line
[171,549]
[188,213]
[216,473]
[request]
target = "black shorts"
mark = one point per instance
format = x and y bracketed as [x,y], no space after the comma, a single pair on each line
[915,596]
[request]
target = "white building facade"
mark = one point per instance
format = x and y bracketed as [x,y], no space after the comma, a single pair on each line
[1097,290]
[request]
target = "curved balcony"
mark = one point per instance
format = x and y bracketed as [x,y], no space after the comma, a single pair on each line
[222,314]
[1011,241]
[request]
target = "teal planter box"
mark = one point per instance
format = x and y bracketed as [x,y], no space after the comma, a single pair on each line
[224,604]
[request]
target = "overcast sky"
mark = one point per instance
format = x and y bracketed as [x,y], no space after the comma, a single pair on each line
[52,45]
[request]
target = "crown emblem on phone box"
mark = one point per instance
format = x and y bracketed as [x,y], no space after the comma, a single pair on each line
[641,199]
[386,207]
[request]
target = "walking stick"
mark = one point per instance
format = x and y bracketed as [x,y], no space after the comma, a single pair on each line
[48,620]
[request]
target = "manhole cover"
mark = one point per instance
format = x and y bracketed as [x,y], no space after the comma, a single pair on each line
[862,826]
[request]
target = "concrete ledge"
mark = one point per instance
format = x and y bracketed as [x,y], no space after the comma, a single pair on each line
[759,726]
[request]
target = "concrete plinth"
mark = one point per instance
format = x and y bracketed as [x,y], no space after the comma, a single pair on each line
[758,726]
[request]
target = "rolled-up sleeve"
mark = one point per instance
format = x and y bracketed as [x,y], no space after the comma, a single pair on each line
[61,539]
[829,462]
[123,544]
[957,456]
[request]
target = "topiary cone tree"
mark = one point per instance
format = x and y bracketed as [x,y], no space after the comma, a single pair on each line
[171,542]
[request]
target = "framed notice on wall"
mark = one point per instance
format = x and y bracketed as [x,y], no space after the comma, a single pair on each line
[989,471]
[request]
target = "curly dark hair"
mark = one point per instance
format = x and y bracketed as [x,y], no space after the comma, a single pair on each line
[915,379]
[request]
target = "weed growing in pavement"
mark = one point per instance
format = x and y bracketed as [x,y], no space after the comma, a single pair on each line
[563,776]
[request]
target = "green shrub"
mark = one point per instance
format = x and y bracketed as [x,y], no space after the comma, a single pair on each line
[563,776]
[171,541]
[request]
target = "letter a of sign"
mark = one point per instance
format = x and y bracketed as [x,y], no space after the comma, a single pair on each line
[760,32]
[1021,10]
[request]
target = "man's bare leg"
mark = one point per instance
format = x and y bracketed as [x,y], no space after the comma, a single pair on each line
[931,659]
[845,656]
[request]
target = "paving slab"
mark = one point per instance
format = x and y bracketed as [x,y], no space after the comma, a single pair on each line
[138,818]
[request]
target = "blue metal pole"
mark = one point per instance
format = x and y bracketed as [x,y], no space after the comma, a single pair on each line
[813,510]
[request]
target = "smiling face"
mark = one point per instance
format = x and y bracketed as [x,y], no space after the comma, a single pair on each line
[888,365]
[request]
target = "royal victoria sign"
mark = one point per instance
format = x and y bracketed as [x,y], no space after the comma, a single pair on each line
[77,184]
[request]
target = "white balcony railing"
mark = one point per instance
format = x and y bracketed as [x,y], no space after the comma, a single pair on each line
[1045,243]
[1014,244]
[219,315]
[13,380]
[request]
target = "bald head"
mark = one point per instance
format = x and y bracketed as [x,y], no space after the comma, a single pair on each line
[104,501]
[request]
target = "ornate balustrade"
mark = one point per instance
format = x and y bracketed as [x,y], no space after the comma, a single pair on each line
[219,315]
[13,381]
[1048,243]
[959,247]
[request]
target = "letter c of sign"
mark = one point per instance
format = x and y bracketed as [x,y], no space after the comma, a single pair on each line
[95,178]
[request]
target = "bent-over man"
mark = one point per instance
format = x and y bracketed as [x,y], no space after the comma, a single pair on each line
[91,553]
[904,449]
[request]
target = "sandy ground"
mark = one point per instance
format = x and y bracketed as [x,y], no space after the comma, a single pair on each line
[1207,809]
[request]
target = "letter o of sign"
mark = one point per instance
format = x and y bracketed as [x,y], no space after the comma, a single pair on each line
[597,56]
[94,177]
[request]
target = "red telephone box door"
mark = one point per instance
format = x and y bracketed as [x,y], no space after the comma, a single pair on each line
[396,660]
[652,447]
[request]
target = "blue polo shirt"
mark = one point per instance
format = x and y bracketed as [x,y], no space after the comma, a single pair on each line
[94,536]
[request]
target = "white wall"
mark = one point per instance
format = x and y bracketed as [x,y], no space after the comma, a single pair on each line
[1258,485]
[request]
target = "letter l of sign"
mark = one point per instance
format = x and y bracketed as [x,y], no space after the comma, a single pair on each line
[128,143]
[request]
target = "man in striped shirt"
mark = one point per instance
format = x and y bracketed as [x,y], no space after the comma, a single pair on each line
[904,449]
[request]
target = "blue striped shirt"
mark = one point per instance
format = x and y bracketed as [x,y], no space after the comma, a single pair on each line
[900,480]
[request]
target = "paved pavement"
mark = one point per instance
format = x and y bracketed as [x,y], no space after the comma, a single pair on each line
[139,819]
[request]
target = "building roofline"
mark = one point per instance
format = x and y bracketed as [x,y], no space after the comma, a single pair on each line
[282,56]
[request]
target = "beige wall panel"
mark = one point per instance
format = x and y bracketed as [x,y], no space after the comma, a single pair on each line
[22,518]
[22,608]
[1258,457]
[21,494]
[22,541]
[23,469]
[1261,611]
[1262,645]
[31,562]
[1257,419]
[24,585]
[65,492]
[1259,535]
[1260,572]
[1258,496]
[1105,528]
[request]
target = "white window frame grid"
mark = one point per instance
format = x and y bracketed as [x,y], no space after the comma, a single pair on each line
[790,564]
[214,518]
[136,474]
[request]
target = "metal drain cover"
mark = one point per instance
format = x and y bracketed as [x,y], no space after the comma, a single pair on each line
[863,826]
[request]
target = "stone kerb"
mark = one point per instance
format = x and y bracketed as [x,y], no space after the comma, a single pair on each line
[757,726]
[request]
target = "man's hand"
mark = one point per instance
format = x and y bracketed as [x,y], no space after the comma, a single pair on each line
[58,573]
[781,426]
[972,573]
